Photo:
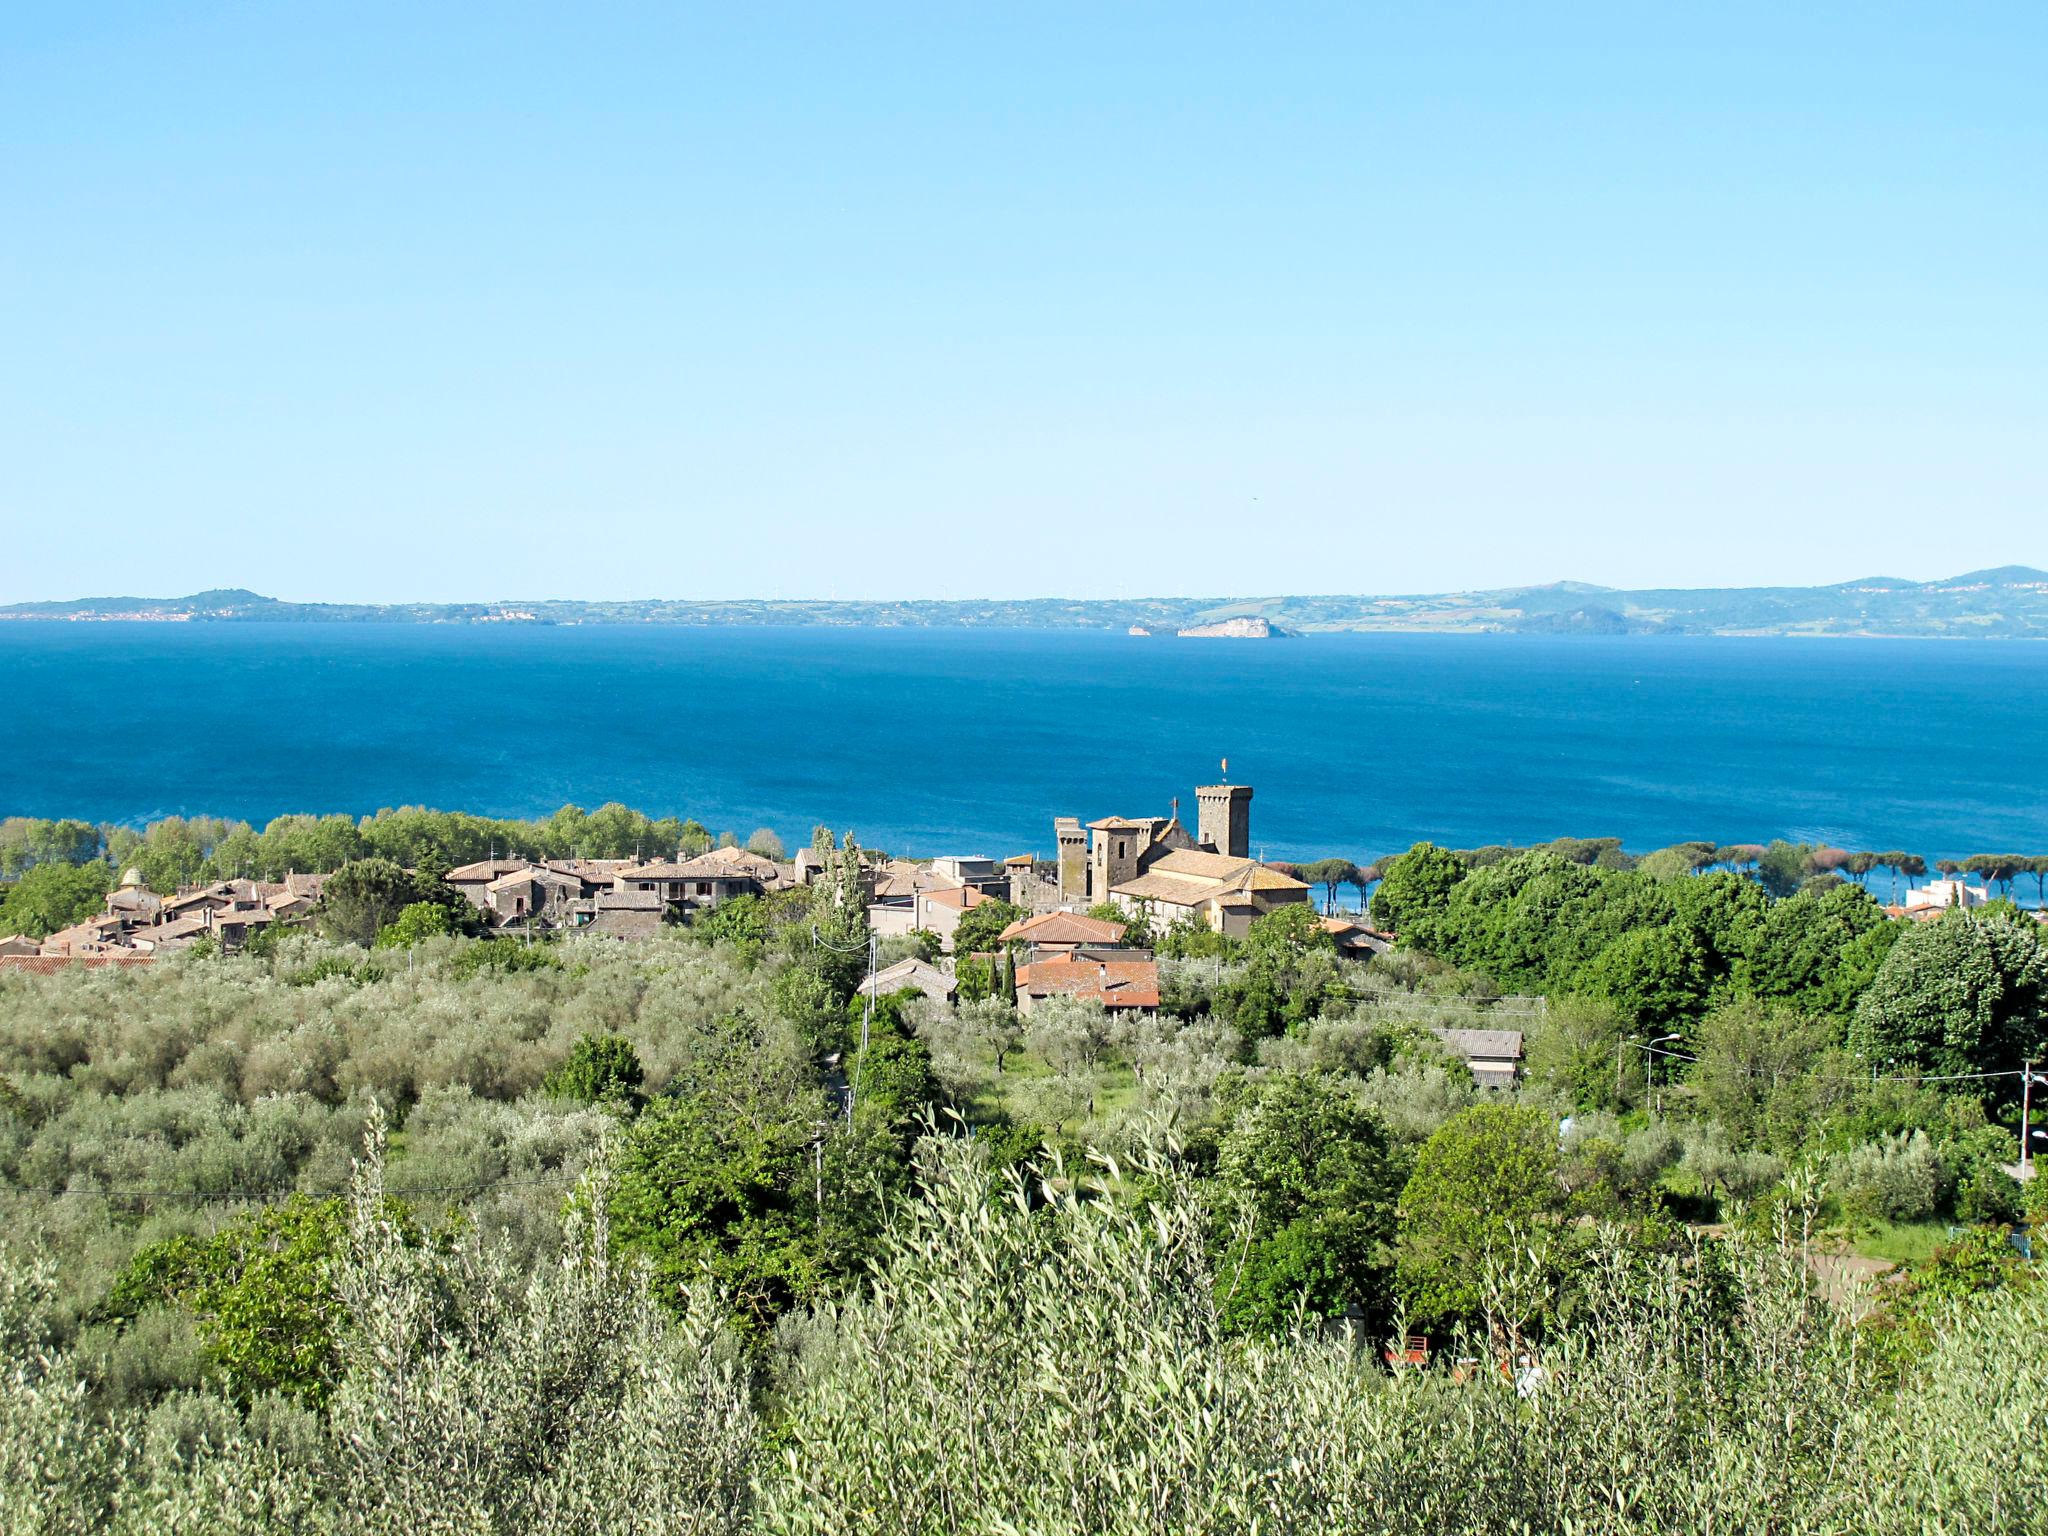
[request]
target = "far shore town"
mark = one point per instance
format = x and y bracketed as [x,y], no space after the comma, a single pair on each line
[1150,871]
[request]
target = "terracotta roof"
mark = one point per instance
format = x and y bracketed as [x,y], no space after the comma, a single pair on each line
[1351,935]
[629,901]
[177,928]
[1220,867]
[1494,1044]
[485,869]
[87,935]
[1113,983]
[623,923]
[1118,824]
[199,897]
[908,973]
[1263,877]
[963,897]
[739,858]
[1174,890]
[705,868]
[1064,928]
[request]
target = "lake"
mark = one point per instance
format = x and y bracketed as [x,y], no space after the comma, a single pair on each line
[971,741]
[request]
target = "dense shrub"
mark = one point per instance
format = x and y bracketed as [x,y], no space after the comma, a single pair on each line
[1901,1178]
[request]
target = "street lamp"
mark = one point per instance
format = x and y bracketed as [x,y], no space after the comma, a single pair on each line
[1648,1048]
[1651,1050]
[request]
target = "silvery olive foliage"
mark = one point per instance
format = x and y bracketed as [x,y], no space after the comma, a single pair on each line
[1040,1353]
[475,1397]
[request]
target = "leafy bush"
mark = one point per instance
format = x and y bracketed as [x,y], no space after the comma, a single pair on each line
[415,924]
[505,956]
[1901,1178]
[601,1069]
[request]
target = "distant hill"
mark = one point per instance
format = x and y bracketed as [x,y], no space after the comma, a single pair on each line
[2009,601]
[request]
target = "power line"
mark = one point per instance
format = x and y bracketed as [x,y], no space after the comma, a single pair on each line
[1899,1077]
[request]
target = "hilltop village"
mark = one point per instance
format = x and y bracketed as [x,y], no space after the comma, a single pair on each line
[1080,925]
[1112,881]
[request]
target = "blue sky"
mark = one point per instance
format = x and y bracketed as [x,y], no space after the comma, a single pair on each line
[375,301]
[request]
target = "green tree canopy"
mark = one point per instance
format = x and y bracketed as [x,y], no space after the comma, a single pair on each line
[1331,873]
[261,1292]
[1313,1184]
[1415,887]
[416,922]
[361,897]
[1484,1188]
[742,920]
[1963,994]
[1656,977]
[26,841]
[980,925]
[718,1185]
[600,1069]
[51,896]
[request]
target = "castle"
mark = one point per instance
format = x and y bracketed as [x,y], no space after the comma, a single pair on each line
[1154,868]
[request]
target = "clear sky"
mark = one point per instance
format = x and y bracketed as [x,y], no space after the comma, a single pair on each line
[380,301]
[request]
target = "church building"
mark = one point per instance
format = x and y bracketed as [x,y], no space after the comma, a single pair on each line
[1155,868]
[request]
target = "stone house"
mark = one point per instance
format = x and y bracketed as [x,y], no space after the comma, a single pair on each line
[911,974]
[1122,985]
[1051,932]
[1494,1056]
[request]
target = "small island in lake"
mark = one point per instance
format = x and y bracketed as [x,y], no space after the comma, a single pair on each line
[1232,629]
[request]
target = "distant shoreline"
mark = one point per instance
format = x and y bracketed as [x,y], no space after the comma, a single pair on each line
[2009,602]
[1407,631]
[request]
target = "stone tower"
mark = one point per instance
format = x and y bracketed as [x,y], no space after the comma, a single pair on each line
[1113,855]
[1224,818]
[1073,857]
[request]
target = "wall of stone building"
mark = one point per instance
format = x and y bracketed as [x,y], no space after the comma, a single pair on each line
[1072,843]
[1113,859]
[891,920]
[1224,819]
[1038,892]
[1233,922]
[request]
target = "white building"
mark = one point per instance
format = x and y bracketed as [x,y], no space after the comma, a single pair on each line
[1946,893]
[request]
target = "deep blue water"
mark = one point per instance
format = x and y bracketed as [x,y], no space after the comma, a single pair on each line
[969,741]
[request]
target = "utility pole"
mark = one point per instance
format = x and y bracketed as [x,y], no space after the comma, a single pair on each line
[2026,1121]
[867,1017]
